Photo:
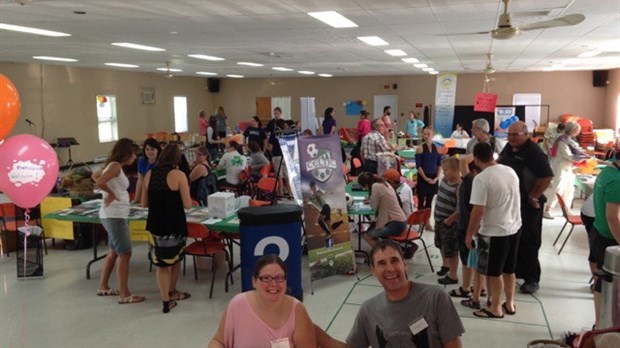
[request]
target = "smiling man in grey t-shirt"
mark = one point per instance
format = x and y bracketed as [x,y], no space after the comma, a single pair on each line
[406,314]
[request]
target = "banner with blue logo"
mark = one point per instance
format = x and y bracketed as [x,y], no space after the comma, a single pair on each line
[325,210]
[445,94]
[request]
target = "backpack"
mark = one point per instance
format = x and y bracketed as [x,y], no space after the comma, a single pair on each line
[200,189]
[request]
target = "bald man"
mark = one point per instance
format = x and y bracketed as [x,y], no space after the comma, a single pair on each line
[535,174]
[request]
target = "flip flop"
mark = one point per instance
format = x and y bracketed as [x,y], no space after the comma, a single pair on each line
[131,299]
[508,311]
[485,313]
[176,295]
[460,292]
[109,292]
[168,305]
[471,303]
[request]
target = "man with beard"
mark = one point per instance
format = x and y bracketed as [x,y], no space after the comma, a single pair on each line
[406,314]
[534,172]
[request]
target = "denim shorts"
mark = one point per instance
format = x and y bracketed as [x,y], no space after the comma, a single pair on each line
[392,228]
[118,234]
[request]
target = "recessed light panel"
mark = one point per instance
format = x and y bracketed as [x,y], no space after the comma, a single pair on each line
[56,59]
[122,65]
[373,40]
[205,57]
[410,60]
[306,72]
[206,73]
[137,46]
[249,64]
[29,30]
[334,19]
[235,76]
[433,72]
[420,65]
[171,70]
[326,75]
[396,53]
[279,68]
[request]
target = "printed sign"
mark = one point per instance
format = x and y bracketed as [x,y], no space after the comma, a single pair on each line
[445,94]
[485,102]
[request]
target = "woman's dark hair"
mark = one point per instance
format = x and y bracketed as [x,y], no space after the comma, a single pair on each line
[266,260]
[290,123]
[152,143]
[235,145]
[254,147]
[170,155]
[459,125]
[122,150]
[212,121]
[328,113]
[281,123]
[366,179]
[258,122]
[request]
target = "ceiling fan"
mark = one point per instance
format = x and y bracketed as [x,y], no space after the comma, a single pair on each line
[169,74]
[505,30]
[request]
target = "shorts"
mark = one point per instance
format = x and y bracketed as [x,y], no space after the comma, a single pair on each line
[276,160]
[446,239]
[118,234]
[392,228]
[588,223]
[598,244]
[497,255]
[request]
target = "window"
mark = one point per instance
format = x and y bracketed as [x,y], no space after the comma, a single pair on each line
[532,111]
[106,117]
[180,114]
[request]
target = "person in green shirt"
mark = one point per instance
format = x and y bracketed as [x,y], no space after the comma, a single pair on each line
[606,231]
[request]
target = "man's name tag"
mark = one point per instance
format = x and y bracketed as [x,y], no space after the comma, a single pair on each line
[280,343]
[418,326]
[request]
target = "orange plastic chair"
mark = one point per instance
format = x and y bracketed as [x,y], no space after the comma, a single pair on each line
[357,163]
[413,233]
[573,220]
[266,170]
[258,203]
[266,190]
[204,245]
[344,135]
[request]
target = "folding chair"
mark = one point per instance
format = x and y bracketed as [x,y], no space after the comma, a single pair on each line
[573,220]
[413,233]
[204,245]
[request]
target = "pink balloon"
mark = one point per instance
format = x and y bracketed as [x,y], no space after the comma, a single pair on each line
[28,169]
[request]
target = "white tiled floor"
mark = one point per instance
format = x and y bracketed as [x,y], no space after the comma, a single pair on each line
[62,310]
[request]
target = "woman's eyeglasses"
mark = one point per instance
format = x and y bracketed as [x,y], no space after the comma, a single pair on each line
[269,279]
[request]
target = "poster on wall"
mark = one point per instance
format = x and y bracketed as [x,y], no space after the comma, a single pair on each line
[354,107]
[325,210]
[288,145]
[445,94]
[502,116]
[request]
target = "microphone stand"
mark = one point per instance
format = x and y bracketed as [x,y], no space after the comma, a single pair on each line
[33,127]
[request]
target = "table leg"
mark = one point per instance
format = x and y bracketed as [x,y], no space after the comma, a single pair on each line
[359,241]
[95,257]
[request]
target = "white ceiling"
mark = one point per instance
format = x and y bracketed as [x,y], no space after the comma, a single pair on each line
[280,33]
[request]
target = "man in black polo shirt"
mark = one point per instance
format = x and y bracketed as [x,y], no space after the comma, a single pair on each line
[255,133]
[534,172]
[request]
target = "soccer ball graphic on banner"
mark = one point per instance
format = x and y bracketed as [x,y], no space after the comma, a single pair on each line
[312,150]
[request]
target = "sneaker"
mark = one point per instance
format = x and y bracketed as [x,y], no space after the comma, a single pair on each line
[447,280]
[546,215]
[529,287]
[443,271]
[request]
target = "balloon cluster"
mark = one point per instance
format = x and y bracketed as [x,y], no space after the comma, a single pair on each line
[102,99]
[28,164]
[507,122]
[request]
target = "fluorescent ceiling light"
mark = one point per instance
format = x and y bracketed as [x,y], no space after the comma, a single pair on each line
[334,19]
[428,69]
[410,60]
[205,57]
[57,59]
[326,75]
[548,69]
[122,65]
[433,72]
[373,40]
[137,46]
[169,69]
[29,30]
[235,76]
[249,64]
[610,46]
[206,73]
[279,68]
[420,66]
[306,72]
[396,53]
[589,54]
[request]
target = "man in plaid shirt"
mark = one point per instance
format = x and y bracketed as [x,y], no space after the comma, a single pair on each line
[372,143]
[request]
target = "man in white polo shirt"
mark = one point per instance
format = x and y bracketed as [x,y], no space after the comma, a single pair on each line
[496,219]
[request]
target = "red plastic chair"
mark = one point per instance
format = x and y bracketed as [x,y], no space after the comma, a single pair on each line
[573,220]
[205,245]
[413,233]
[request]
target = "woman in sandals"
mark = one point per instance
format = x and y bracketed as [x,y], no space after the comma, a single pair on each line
[114,214]
[267,316]
[166,194]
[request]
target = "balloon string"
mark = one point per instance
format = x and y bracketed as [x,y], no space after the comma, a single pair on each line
[26,234]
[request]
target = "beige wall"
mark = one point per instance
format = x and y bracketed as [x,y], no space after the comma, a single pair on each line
[61,100]
[612,118]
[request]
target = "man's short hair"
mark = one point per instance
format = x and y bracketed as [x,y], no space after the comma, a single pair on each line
[386,108]
[450,163]
[481,124]
[483,152]
[374,122]
[277,108]
[383,244]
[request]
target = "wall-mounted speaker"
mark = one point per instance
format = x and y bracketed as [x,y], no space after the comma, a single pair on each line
[600,78]
[395,86]
[213,84]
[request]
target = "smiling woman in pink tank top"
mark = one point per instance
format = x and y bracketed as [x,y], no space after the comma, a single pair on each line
[265,317]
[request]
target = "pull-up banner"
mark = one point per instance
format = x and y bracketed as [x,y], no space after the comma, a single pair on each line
[325,210]
[445,94]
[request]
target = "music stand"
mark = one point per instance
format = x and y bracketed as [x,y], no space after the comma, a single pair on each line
[67,142]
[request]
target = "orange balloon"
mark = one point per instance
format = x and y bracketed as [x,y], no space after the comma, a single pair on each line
[9,106]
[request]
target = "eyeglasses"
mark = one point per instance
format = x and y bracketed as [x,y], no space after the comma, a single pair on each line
[268,279]
[515,134]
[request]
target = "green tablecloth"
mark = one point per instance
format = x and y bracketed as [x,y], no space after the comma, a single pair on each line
[355,210]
